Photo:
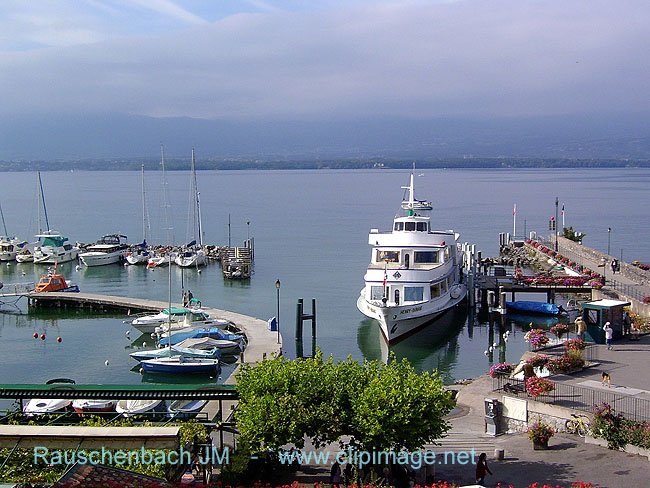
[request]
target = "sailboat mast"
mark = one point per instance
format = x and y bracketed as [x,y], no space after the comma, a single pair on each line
[47,221]
[165,196]
[197,203]
[169,316]
[144,211]
[4,226]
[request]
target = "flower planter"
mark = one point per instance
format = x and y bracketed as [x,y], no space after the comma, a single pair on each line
[540,446]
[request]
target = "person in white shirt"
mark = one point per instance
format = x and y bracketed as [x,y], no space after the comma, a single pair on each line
[609,334]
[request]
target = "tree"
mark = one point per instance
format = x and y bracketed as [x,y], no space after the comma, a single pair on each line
[380,406]
[571,234]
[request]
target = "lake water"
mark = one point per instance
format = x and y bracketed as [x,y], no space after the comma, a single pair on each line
[311,232]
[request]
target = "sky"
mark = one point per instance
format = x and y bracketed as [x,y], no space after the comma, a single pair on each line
[268,60]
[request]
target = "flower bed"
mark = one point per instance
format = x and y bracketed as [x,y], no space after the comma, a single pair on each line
[575,345]
[559,330]
[538,361]
[565,364]
[538,386]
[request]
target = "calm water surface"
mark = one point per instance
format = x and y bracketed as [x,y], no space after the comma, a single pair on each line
[311,230]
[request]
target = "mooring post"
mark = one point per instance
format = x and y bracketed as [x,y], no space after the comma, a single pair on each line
[299,306]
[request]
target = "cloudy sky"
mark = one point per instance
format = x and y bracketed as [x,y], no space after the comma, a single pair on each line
[324,59]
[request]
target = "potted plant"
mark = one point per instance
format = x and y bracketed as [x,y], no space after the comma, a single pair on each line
[540,433]
[559,330]
[536,337]
[501,369]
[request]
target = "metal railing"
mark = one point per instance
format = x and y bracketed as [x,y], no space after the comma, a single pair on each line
[589,353]
[632,291]
[579,398]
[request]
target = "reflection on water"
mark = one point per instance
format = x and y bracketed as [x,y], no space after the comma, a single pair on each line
[459,344]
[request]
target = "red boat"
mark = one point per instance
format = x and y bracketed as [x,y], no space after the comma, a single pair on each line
[54,282]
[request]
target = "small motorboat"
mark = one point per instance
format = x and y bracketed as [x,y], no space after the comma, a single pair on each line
[533,307]
[185,409]
[179,364]
[180,317]
[129,408]
[82,406]
[41,406]
[53,281]
[208,343]
[188,352]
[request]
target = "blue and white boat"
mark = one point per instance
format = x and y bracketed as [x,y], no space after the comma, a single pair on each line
[533,307]
[185,409]
[190,333]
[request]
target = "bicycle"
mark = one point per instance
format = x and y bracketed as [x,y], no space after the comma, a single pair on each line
[579,424]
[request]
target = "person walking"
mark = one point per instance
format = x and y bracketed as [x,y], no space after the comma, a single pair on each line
[627,323]
[609,334]
[335,475]
[581,327]
[482,469]
[614,265]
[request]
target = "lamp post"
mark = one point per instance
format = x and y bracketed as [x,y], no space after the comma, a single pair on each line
[277,288]
[609,235]
[248,228]
[604,265]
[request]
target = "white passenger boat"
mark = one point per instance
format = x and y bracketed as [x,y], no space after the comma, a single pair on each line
[54,249]
[107,250]
[415,273]
[9,247]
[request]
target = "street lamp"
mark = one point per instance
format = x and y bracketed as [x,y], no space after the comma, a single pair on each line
[277,288]
[604,265]
[609,234]
[248,228]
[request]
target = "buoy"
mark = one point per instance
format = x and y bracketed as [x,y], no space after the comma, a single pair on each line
[106,362]
[42,337]
[144,344]
[495,345]
[490,349]
[77,267]
[128,332]
[35,334]
[58,339]
[486,352]
[141,371]
[199,271]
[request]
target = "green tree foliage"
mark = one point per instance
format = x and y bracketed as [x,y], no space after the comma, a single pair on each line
[571,234]
[380,406]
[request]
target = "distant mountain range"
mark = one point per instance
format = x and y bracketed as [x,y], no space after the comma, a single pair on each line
[120,141]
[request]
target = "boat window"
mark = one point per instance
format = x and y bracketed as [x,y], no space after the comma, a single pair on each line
[399,225]
[435,290]
[426,257]
[422,226]
[443,286]
[413,293]
[397,297]
[388,256]
[409,225]
[376,292]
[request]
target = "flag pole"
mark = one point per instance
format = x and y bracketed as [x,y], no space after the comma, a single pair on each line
[514,221]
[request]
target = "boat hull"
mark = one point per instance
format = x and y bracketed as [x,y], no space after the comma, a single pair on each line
[44,256]
[180,365]
[396,322]
[101,258]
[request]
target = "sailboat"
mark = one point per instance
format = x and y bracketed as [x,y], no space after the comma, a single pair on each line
[53,248]
[179,363]
[9,246]
[160,258]
[139,254]
[193,254]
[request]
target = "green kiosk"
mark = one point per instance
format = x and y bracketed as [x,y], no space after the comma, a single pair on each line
[595,314]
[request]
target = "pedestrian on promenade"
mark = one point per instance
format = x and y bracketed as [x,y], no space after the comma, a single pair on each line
[614,265]
[627,323]
[184,298]
[482,469]
[609,334]
[335,475]
[581,327]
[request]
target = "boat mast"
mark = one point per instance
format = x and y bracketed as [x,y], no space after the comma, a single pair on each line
[169,315]
[197,201]
[166,203]
[47,221]
[4,226]
[144,210]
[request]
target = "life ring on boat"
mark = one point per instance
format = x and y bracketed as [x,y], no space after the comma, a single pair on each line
[456,292]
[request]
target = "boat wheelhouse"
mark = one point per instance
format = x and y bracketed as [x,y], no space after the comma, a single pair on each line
[415,273]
